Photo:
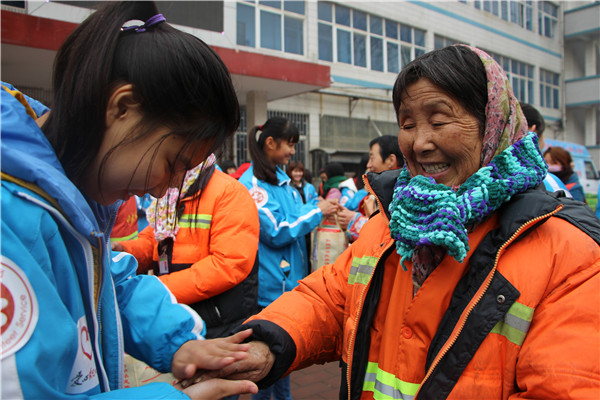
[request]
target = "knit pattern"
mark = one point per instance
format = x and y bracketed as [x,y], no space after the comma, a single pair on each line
[424,213]
[162,213]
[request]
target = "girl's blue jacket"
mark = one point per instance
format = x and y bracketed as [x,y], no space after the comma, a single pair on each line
[70,307]
[284,221]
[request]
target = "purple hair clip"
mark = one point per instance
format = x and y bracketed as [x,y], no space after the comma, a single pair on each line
[129,25]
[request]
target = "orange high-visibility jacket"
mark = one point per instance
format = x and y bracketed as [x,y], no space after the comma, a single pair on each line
[519,318]
[214,251]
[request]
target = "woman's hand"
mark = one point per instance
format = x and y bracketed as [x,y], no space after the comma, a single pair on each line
[217,389]
[254,367]
[211,354]
[370,205]
[344,217]
[328,207]
[116,246]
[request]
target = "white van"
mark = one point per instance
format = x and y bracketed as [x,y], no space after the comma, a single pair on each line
[584,166]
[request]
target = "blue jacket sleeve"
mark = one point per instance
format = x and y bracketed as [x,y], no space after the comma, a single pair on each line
[154,324]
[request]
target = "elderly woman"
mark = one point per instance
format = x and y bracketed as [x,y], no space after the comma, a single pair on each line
[473,283]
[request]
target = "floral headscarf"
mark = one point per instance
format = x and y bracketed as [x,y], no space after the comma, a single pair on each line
[162,213]
[429,220]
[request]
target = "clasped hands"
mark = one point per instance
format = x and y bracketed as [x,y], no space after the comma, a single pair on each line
[216,368]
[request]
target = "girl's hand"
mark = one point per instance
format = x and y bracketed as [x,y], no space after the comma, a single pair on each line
[217,389]
[209,354]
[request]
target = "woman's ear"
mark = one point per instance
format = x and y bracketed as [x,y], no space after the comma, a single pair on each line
[391,161]
[120,104]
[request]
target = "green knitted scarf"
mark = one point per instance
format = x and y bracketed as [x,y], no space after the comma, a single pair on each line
[424,213]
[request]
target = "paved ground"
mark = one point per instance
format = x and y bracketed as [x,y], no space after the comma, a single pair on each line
[318,382]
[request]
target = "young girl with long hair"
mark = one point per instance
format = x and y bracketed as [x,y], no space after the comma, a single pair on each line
[136,104]
[284,219]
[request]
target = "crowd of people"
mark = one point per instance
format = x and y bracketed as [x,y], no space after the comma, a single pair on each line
[472,267]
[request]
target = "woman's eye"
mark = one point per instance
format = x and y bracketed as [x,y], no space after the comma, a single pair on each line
[407,126]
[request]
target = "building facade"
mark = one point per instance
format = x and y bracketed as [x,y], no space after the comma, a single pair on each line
[330,65]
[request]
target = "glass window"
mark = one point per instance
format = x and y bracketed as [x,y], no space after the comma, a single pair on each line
[406,33]
[376,54]
[441,42]
[274,4]
[325,43]
[391,29]
[270,30]
[406,54]
[344,54]
[342,15]
[549,89]
[419,37]
[392,57]
[359,20]
[520,76]
[294,38]
[376,25]
[360,50]
[245,25]
[324,11]
[294,6]
[547,18]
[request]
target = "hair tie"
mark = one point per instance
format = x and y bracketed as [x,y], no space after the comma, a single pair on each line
[128,26]
[258,131]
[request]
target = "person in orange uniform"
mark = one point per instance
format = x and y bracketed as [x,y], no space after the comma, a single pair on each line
[472,281]
[205,248]
[126,223]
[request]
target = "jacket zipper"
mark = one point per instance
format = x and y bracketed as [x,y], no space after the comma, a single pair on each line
[485,286]
[354,328]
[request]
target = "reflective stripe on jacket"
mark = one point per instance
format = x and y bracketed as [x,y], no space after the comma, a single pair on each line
[519,318]
[211,266]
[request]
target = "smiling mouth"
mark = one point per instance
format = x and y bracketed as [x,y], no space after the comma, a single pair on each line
[435,168]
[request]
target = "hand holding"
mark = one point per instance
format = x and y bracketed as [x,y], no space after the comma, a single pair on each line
[344,217]
[254,367]
[116,246]
[328,207]
[209,354]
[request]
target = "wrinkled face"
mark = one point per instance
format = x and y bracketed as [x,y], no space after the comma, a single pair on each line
[131,168]
[438,137]
[376,163]
[297,175]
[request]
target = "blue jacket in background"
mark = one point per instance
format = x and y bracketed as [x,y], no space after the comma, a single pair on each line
[284,221]
[72,307]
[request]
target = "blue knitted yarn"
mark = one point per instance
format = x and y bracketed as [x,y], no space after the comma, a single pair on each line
[425,213]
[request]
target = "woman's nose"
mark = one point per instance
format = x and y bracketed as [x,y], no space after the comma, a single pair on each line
[422,141]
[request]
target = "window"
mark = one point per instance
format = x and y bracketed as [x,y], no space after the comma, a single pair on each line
[440,42]
[281,25]
[547,18]
[518,12]
[245,25]
[549,89]
[520,76]
[366,40]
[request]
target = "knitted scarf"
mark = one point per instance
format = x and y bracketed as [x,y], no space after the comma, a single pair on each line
[428,219]
[162,213]
[425,213]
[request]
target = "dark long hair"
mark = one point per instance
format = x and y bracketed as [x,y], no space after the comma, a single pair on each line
[457,70]
[280,129]
[177,79]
